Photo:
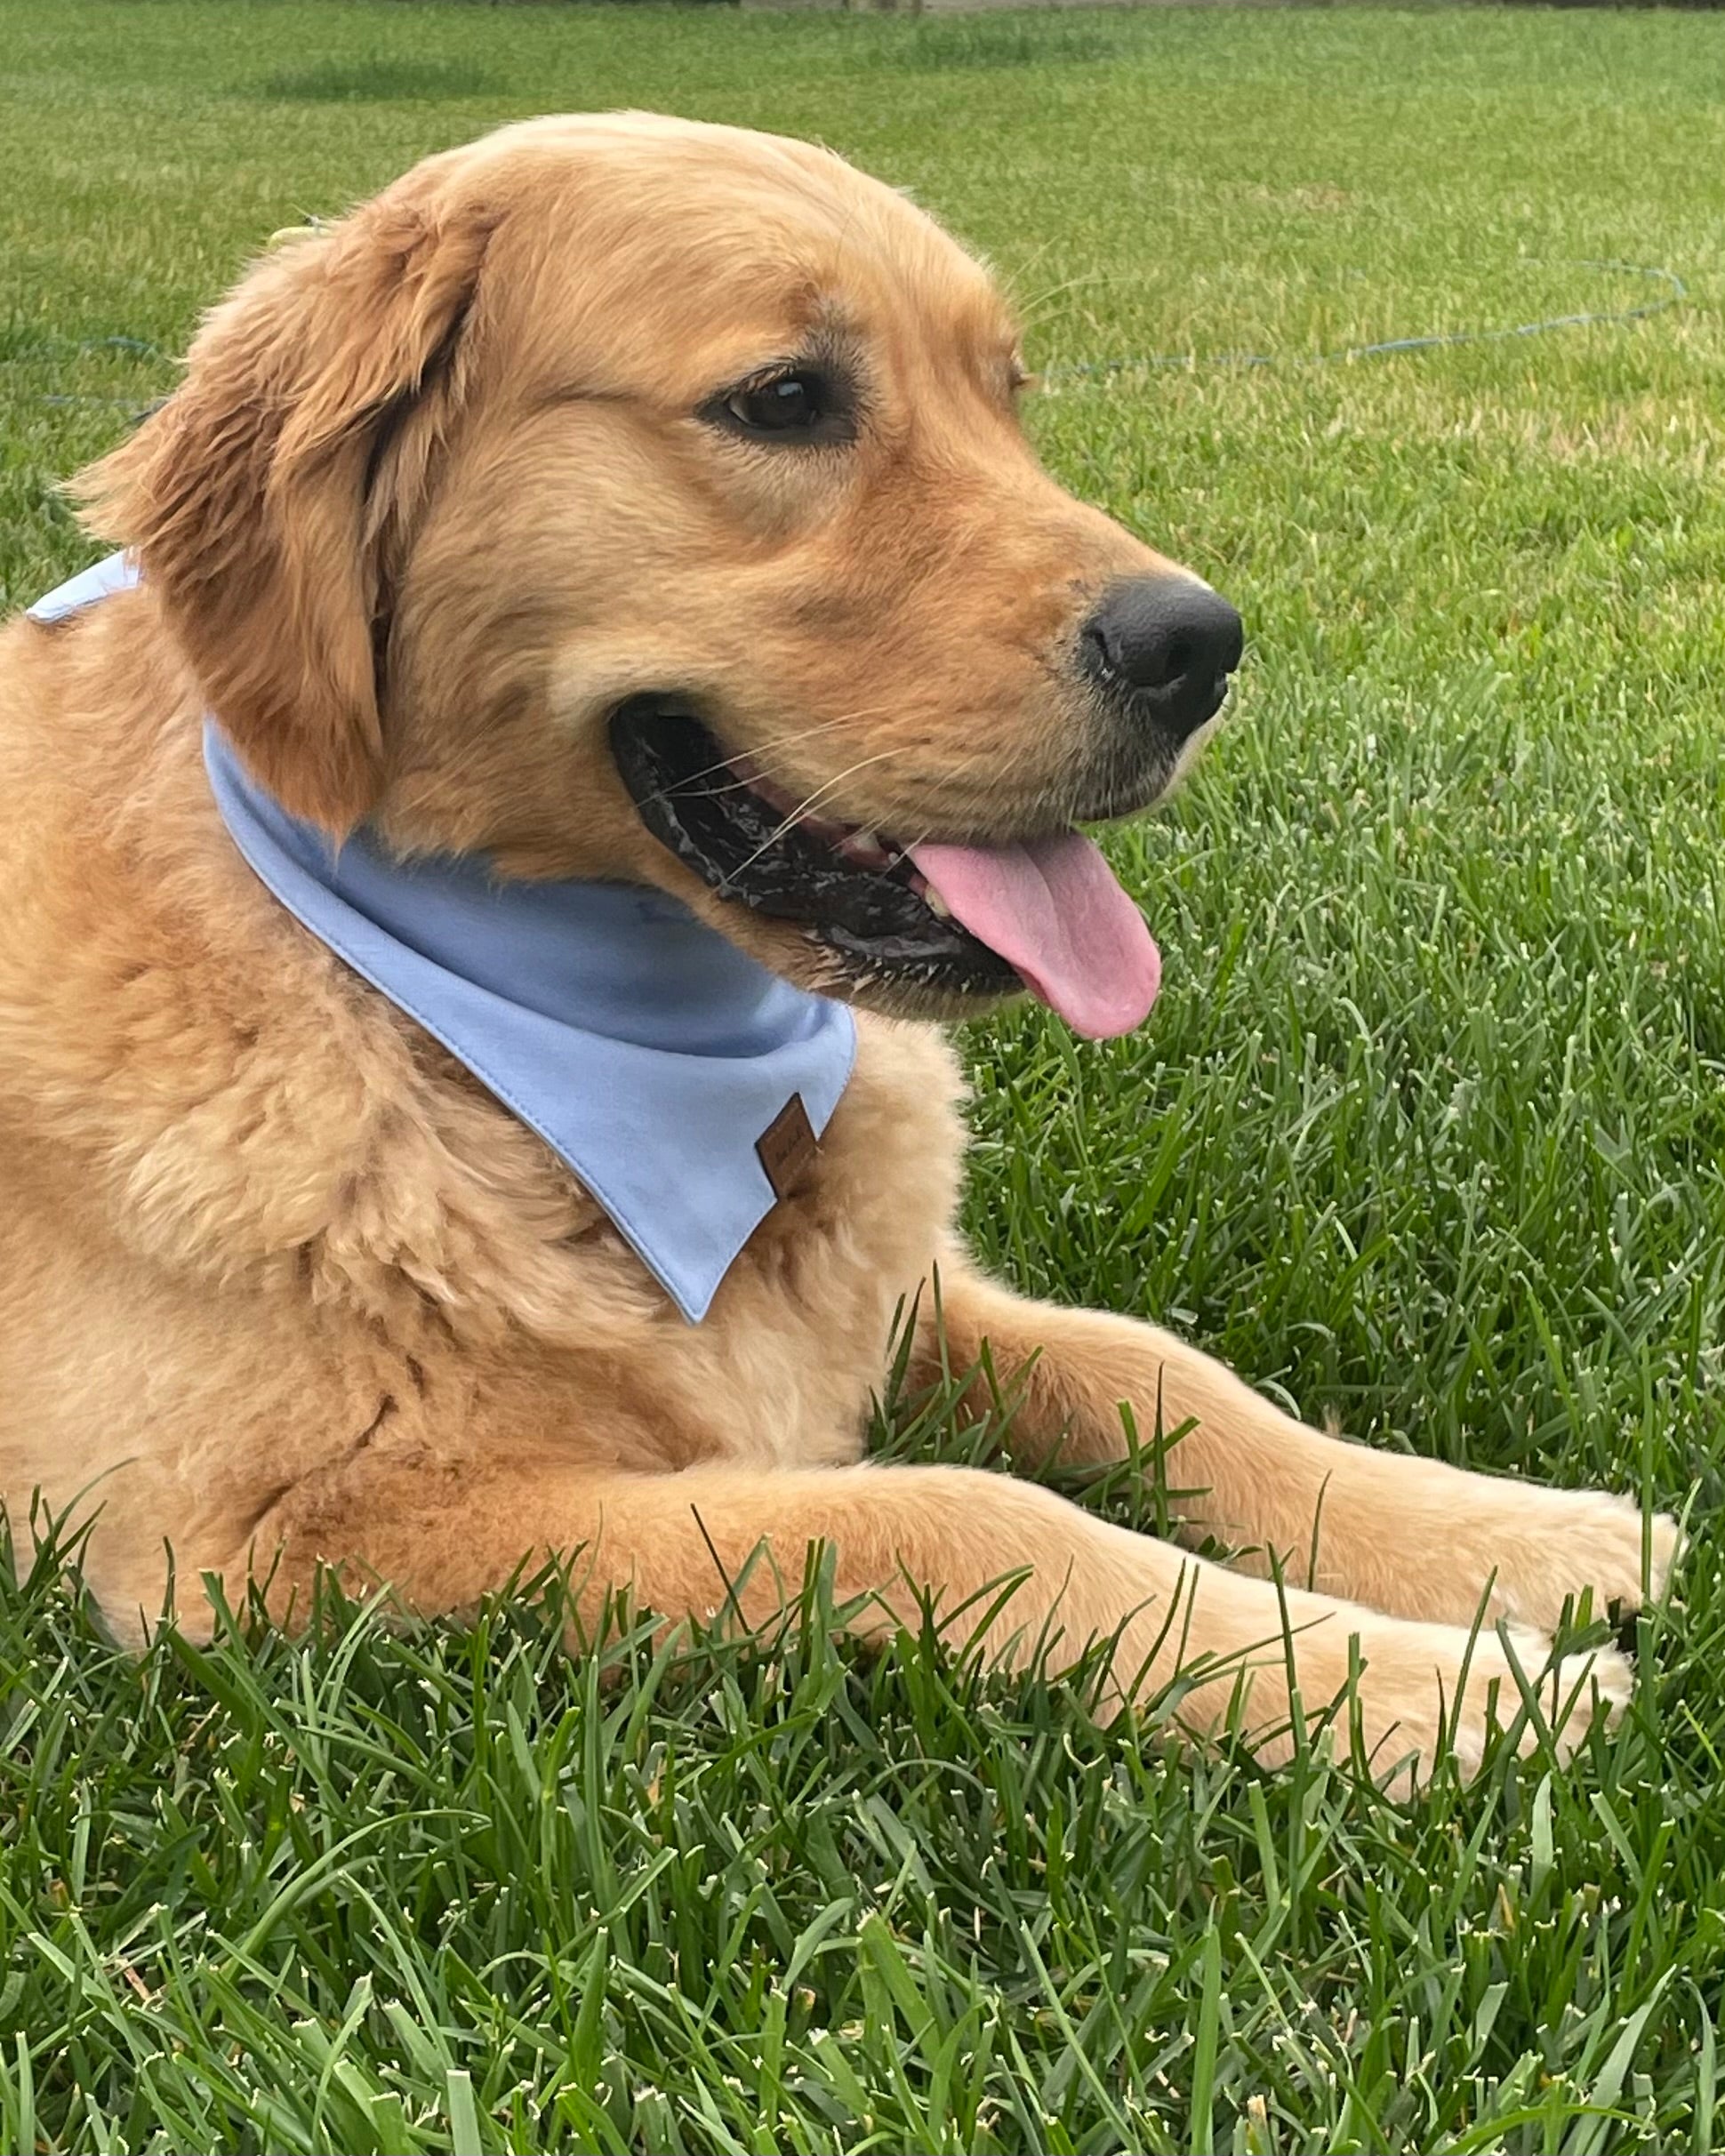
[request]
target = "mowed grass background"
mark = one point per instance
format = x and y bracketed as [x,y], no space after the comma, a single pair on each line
[1425,1133]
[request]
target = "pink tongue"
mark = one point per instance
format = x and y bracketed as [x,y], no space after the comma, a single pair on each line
[1054,910]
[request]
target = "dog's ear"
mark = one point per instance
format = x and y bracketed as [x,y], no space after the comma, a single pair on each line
[248,497]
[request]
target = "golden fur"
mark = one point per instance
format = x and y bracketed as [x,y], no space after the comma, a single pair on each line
[279,1283]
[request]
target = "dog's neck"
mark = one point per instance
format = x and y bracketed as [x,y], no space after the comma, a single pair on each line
[682,1083]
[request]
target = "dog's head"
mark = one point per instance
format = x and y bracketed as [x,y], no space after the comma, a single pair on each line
[631,499]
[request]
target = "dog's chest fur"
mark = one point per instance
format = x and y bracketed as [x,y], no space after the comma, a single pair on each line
[255,1217]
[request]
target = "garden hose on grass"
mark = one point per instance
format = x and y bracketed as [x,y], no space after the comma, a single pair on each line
[1676,293]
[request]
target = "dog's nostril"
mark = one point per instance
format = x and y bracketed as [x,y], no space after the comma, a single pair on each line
[1167,634]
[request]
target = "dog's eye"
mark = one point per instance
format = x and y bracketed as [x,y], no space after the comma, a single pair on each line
[787,402]
[799,404]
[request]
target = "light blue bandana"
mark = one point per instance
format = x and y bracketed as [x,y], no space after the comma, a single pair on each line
[649,1052]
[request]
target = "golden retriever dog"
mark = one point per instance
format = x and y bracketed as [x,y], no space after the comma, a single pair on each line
[489,524]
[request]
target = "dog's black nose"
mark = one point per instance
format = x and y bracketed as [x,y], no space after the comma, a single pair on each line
[1165,646]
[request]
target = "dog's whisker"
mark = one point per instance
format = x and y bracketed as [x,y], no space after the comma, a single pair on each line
[758,755]
[822,793]
[765,764]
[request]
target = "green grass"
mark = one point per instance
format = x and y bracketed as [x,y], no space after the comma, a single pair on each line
[1427,1131]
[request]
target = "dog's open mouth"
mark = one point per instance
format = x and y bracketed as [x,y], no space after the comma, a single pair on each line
[947,920]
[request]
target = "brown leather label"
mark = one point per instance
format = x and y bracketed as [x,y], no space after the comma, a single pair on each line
[788,1148]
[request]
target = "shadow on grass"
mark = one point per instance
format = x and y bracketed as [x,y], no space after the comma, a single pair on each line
[932,47]
[375,81]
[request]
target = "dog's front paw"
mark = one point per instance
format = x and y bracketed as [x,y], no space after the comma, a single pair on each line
[1430,1690]
[1280,1667]
[1561,1544]
[1447,1547]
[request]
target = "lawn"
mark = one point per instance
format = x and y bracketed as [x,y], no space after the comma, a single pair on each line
[1426,1133]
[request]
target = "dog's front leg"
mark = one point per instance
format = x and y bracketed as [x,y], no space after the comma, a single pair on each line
[1413,1537]
[445,1529]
